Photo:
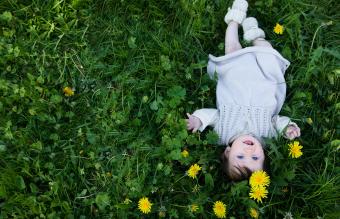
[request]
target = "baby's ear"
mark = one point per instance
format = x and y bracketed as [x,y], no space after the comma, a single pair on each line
[226,151]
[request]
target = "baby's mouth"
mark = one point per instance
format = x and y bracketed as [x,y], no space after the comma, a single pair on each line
[248,142]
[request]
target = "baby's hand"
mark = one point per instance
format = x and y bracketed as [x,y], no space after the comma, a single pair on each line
[293,131]
[193,123]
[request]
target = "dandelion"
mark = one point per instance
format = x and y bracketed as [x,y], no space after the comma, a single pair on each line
[193,170]
[258,193]
[196,188]
[285,189]
[185,153]
[295,149]
[278,29]
[68,91]
[253,213]
[162,211]
[162,214]
[193,208]
[145,99]
[127,201]
[144,205]
[288,215]
[259,178]
[219,209]
[309,121]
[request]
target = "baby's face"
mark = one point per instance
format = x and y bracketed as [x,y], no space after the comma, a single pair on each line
[246,151]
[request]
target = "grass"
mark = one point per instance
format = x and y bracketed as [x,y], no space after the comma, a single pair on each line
[137,67]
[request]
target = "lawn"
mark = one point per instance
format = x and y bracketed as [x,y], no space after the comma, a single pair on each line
[93,97]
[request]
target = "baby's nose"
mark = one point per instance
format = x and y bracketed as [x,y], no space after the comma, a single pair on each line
[249,148]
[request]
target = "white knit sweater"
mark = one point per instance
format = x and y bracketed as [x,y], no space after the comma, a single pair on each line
[250,93]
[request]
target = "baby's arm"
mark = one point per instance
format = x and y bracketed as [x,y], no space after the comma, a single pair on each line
[202,118]
[284,125]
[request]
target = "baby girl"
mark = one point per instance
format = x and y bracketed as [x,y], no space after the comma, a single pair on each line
[250,93]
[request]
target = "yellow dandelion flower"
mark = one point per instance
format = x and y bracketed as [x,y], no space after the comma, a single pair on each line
[295,149]
[193,208]
[68,91]
[253,213]
[144,205]
[259,178]
[258,193]
[193,170]
[220,209]
[278,29]
[185,153]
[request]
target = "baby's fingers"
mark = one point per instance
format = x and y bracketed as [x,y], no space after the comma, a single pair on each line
[290,135]
[294,134]
[194,130]
[298,132]
[189,126]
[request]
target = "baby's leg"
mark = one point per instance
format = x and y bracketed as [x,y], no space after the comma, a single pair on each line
[232,42]
[235,15]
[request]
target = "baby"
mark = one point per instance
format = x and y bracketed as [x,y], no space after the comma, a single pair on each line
[250,93]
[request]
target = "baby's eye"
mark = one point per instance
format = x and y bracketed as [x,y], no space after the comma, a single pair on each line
[239,157]
[255,158]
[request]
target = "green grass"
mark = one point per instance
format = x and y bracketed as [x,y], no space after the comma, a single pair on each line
[137,67]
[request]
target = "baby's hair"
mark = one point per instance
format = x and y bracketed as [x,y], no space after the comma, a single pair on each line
[234,174]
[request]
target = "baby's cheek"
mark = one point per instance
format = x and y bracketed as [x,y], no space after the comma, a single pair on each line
[258,166]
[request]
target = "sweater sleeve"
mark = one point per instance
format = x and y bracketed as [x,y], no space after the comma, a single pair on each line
[211,69]
[208,117]
[281,123]
[280,96]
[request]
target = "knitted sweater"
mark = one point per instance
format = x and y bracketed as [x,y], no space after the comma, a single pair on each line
[250,93]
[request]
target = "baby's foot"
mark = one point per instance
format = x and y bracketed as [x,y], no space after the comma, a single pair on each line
[238,12]
[251,30]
